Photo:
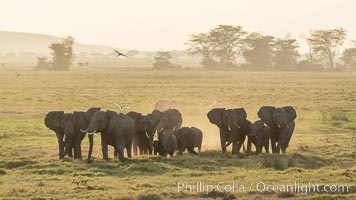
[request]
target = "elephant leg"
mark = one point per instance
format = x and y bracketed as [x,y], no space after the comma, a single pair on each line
[258,146]
[284,149]
[145,149]
[77,152]
[77,149]
[121,154]
[191,150]
[274,146]
[267,147]
[223,139]
[104,148]
[60,148]
[70,152]
[134,144]
[150,151]
[120,148]
[238,146]
[140,148]
[278,148]
[129,148]
[249,146]
[115,152]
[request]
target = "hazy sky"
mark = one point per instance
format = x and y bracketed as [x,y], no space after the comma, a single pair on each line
[167,24]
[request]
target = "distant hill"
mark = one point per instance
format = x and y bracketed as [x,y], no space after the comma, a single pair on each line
[16,42]
[18,47]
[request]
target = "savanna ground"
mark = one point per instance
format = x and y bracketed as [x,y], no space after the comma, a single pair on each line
[322,149]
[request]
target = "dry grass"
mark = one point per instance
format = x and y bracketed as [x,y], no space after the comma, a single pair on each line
[322,149]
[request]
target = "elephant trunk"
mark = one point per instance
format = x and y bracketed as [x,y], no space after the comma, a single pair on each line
[91,141]
[68,144]
[60,146]
[233,136]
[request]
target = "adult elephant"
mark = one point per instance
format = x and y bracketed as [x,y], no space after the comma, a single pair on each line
[116,130]
[72,124]
[229,122]
[145,127]
[281,122]
[167,143]
[53,120]
[169,119]
[67,129]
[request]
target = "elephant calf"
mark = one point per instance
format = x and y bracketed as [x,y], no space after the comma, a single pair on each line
[188,138]
[259,135]
[167,143]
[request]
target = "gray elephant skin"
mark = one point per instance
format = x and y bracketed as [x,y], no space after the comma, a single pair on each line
[258,135]
[67,127]
[145,127]
[281,122]
[188,138]
[166,144]
[229,122]
[169,119]
[116,130]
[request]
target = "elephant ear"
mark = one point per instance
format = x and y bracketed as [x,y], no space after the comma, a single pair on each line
[291,113]
[53,119]
[156,112]
[90,112]
[266,114]
[216,116]
[138,120]
[241,112]
[112,120]
[154,120]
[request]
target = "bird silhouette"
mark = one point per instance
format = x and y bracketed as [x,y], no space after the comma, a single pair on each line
[18,74]
[122,107]
[119,53]
[212,104]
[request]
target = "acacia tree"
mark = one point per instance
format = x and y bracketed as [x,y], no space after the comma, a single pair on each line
[325,43]
[285,53]
[258,52]
[349,58]
[200,44]
[162,60]
[228,42]
[62,54]
[42,63]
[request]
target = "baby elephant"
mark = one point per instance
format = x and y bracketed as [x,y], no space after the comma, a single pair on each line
[259,135]
[166,144]
[188,138]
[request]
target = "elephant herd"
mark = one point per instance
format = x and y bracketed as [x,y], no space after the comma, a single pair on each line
[275,125]
[136,132]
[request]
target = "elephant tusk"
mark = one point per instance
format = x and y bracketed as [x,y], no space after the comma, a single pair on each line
[64,138]
[279,126]
[148,137]
[92,133]
[229,128]
[83,131]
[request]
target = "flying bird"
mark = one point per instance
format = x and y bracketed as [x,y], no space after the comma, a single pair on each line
[122,107]
[212,104]
[18,74]
[119,53]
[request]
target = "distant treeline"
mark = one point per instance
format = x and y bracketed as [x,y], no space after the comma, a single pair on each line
[223,46]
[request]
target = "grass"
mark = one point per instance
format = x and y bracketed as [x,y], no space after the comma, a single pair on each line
[322,149]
